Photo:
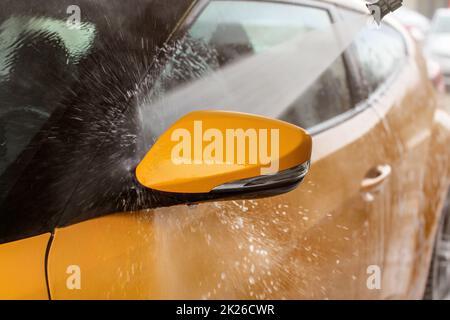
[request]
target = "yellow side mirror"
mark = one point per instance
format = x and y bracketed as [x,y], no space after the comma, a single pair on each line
[219,151]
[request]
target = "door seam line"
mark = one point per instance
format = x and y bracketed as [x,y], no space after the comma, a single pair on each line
[47,254]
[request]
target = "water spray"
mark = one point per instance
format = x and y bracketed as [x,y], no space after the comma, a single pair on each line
[297,64]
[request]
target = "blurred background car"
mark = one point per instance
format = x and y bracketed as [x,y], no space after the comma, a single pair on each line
[438,42]
[419,26]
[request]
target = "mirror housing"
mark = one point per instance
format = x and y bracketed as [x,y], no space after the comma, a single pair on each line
[226,152]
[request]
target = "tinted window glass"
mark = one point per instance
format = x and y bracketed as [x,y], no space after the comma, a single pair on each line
[67,108]
[31,72]
[229,30]
[237,28]
[328,97]
[379,52]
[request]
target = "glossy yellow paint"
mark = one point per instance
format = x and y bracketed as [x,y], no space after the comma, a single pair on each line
[115,255]
[22,268]
[197,172]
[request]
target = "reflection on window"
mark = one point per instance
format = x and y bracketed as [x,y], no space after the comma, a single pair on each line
[246,27]
[35,53]
[379,52]
[229,30]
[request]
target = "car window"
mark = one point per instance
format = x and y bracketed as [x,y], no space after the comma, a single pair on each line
[251,27]
[67,97]
[28,79]
[66,128]
[327,98]
[226,31]
[379,52]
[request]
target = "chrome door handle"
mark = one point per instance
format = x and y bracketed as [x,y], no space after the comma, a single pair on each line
[376,176]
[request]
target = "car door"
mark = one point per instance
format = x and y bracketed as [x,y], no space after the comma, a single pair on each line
[390,60]
[325,239]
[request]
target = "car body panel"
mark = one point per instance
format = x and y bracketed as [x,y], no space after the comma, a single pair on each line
[121,246]
[407,106]
[418,141]
[308,243]
[22,268]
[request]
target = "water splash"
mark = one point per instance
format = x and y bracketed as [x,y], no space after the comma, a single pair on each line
[266,83]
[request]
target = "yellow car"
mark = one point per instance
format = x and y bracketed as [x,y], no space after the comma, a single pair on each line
[101,198]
